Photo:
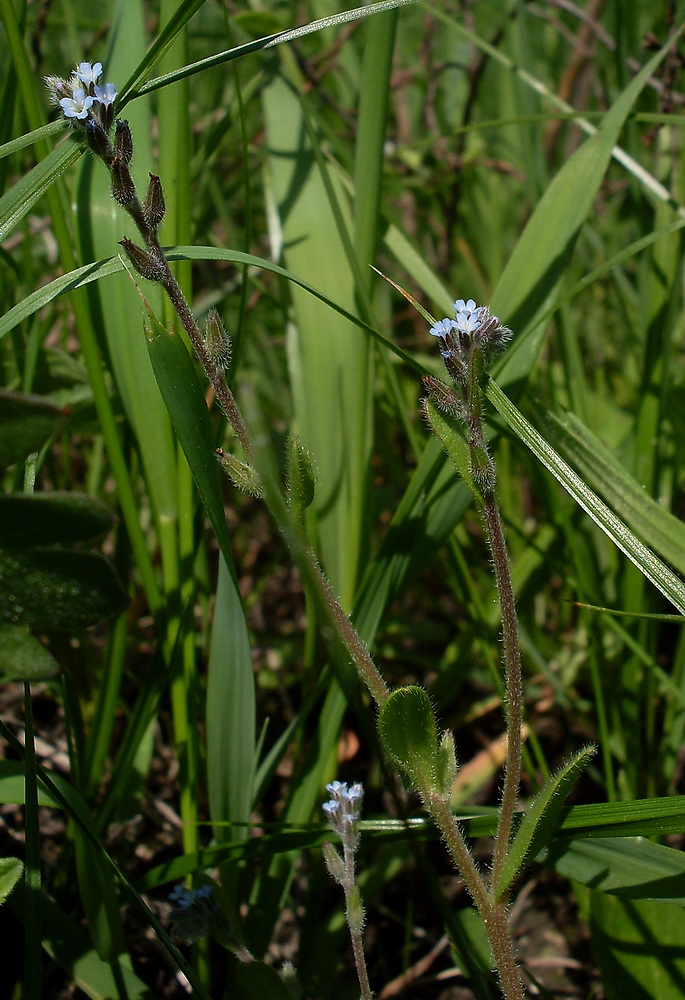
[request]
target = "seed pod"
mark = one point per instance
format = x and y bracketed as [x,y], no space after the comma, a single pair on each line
[153,206]
[143,261]
[123,188]
[123,141]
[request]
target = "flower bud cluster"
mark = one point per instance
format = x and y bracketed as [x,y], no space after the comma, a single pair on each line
[83,99]
[343,811]
[474,336]
[90,105]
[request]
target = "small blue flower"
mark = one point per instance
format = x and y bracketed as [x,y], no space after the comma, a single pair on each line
[78,105]
[344,809]
[105,95]
[443,328]
[196,914]
[88,73]
[469,315]
[468,307]
[188,897]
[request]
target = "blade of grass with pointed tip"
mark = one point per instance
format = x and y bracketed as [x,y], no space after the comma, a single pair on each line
[329,359]
[545,247]
[645,560]
[231,708]
[604,473]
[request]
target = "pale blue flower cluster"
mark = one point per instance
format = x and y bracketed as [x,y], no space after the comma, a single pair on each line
[78,96]
[469,317]
[473,329]
[344,809]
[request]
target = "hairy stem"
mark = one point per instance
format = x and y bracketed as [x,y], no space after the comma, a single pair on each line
[512,679]
[493,914]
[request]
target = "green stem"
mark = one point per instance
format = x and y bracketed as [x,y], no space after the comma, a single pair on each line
[355,921]
[494,915]
[33,948]
[513,682]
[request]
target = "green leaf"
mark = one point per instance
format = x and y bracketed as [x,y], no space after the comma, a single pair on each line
[541,819]
[34,519]
[10,872]
[67,943]
[546,244]
[645,560]
[99,898]
[185,401]
[248,980]
[448,432]
[602,471]
[301,478]
[26,423]
[230,715]
[639,948]
[25,193]
[58,589]
[13,789]
[410,736]
[630,867]
[230,685]
[23,657]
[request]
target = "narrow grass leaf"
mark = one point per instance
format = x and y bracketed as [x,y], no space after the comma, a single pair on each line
[268,41]
[113,265]
[604,473]
[645,560]
[230,715]
[20,198]
[29,138]
[545,247]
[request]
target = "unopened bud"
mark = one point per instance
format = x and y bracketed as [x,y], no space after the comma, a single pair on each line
[123,188]
[443,397]
[242,475]
[106,113]
[447,763]
[217,341]
[97,137]
[58,88]
[334,862]
[145,263]
[123,141]
[153,206]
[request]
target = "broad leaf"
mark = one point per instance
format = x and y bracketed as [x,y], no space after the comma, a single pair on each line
[26,424]
[34,519]
[58,589]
